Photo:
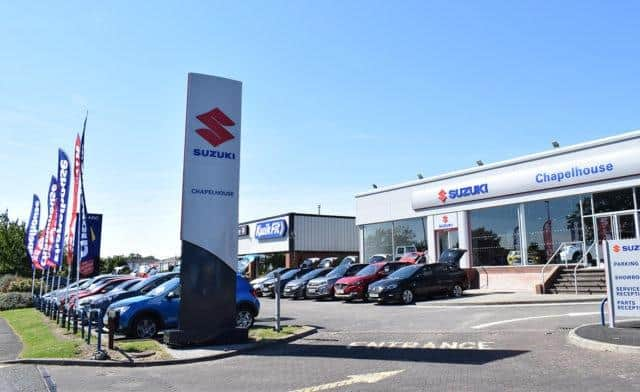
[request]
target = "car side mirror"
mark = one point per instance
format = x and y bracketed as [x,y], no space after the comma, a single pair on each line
[172,295]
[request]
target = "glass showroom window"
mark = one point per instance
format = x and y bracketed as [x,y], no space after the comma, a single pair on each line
[618,200]
[408,233]
[378,239]
[495,236]
[550,223]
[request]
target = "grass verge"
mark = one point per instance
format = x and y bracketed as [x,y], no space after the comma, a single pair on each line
[267,333]
[37,338]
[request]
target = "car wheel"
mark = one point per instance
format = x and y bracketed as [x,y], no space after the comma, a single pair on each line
[244,318]
[407,297]
[145,327]
[456,291]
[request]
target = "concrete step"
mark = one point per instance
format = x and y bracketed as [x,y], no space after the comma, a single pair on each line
[581,279]
[572,291]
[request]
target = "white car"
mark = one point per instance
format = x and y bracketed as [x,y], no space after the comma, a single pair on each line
[573,254]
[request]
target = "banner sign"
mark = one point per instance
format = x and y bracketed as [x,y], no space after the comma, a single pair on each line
[446,221]
[74,200]
[49,229]
[63,182]
[271,229]
[583,167]
[90,264]
[33,227]
[243,230]
[211,168]
[622,260]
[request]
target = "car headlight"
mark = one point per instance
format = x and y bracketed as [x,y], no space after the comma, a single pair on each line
[391,286]
[121,309]
[359,283]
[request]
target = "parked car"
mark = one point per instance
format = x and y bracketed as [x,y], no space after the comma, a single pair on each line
[143,286]
[90,301]
[297,288]
[323,287]
[414,258]
[257,283]
[104,287]
[348,260]
[268,285]
[145,315]
[355,287]
[89,284]
[419,280]
[328,262]
[401,251]
[310,263]
[379,258]
[572,253]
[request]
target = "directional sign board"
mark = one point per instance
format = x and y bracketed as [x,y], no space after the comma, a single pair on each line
[622,259]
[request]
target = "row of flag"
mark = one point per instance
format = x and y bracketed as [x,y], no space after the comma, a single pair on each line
[46,247]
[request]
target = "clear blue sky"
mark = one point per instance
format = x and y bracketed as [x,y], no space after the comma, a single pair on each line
[336,96]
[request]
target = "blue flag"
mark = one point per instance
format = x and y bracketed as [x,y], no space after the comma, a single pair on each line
[33,226]
[63,182]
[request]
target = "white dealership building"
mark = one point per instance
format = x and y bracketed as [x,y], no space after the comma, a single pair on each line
[555,207]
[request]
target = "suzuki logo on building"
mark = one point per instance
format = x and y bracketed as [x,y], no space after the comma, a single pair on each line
[442,195]
[445,219]
[216,121]
[463,192]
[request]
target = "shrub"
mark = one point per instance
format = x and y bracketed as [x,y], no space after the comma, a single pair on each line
[15,301]
[5,281]
[20,285]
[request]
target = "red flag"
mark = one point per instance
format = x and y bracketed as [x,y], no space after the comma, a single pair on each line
[37,250]
[74,198]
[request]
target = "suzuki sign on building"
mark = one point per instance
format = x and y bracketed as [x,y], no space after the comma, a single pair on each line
[209,227]
[622,259]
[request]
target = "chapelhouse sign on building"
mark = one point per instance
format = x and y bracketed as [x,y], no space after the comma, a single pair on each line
[527,178]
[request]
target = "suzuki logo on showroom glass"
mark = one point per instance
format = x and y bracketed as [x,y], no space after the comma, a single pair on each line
[212,165]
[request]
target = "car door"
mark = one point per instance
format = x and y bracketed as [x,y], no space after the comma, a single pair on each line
[428,286]
[442,278]
[418,283]
[171,308]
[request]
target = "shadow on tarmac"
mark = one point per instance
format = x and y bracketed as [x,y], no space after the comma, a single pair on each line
[433,355]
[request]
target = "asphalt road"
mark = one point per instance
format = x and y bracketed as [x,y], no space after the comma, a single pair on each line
[400,348]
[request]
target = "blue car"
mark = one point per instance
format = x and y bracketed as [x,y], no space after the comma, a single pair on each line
[145,315]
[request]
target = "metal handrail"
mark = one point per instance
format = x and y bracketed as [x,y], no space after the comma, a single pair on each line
[575,269]
[562,245]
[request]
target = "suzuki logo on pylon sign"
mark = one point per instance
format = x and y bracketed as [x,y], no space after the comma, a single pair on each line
[616,248]
[216,133]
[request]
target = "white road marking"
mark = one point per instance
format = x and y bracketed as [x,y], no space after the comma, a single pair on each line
[481,326]
[501,306]
[369,378]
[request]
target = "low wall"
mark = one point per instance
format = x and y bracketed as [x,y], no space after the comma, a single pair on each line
[507,278]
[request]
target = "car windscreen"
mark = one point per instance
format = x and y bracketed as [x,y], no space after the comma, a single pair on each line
[164,288]
[338,272]
[368,270]
[353,269]
[289,274]
[123,286]
[405,272]
[376,259]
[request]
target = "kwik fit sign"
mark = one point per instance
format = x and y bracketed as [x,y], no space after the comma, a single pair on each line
[212,166]
[271,229]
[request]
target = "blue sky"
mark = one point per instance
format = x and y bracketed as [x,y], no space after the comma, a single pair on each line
[336,96]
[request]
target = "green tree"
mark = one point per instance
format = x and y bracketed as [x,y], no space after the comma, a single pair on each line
[13,253]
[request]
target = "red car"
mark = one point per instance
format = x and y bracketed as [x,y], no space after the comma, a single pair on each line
[355,287]
[100,289]
[414,258]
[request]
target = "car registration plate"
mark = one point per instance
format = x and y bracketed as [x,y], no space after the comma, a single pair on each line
[373,295]
[339,291]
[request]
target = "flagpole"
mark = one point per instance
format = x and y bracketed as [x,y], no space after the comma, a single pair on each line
[33,279]
[41,278]
[46,281]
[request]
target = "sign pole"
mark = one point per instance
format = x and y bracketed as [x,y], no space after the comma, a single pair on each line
[33,280]
[610,304]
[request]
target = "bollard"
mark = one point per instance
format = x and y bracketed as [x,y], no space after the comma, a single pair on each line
[82,325]
[113,321]
[89,328]
[276,287]
[75,323]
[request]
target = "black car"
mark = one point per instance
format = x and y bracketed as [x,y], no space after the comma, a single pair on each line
[268,285]
[419,280]
[322,287]
[297,288]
